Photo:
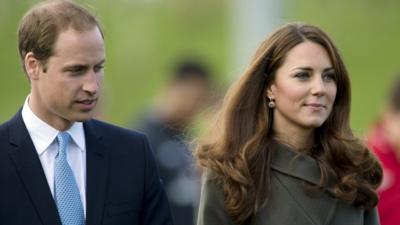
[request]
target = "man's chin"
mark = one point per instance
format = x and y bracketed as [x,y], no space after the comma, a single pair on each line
[82,117]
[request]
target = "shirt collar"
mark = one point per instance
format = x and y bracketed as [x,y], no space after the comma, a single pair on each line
[42,134]
[78,135]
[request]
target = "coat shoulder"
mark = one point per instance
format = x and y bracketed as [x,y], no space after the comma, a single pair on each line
[109,130]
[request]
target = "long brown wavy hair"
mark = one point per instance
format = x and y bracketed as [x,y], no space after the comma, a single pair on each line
[238,152]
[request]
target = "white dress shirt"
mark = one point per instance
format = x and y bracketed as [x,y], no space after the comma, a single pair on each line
[44,139]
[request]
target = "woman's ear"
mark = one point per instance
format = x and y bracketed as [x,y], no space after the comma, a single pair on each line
[32,66]
[269,93]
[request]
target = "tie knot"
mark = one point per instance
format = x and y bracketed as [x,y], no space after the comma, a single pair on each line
[63,139]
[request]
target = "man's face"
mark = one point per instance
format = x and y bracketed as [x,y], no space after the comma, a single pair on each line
[66,89]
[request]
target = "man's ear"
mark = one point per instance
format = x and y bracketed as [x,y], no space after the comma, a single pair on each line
[32,66]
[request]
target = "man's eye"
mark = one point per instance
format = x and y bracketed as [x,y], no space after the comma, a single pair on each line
[76,70]
[98,68]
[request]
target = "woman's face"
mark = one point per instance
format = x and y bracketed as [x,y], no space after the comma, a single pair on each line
[304,89]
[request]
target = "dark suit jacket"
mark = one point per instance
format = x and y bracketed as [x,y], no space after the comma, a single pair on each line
[288,203]
[123,185]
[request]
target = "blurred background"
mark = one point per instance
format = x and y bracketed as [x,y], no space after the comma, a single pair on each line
[168,59]
[146,38]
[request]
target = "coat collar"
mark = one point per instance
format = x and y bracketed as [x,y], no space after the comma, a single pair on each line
[30,170]
[313,207]
[96,169]
[299,165]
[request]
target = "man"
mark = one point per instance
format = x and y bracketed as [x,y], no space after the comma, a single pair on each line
[166,126]
[58,166]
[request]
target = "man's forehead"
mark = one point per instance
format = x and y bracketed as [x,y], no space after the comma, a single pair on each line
[75,40]
[74,48]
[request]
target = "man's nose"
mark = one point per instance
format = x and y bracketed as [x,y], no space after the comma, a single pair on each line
[92,82]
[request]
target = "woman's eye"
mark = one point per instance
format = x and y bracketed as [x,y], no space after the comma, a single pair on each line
[302,75]
[329,77]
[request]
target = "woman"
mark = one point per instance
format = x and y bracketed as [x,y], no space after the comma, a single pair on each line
[282,151]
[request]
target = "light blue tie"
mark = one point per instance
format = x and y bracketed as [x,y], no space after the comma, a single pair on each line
[67,196]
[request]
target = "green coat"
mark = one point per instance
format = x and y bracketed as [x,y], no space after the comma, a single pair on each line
[288,203]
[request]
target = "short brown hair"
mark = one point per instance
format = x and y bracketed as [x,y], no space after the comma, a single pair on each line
[41,25]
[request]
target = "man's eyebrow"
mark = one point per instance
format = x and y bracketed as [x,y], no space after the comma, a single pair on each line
[101,62]
[75,66]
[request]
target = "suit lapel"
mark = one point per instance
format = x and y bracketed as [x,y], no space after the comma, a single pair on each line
[96,167]
[30,170]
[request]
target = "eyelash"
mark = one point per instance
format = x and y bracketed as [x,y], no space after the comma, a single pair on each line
[305,75]
[98,68]
[302,75]
[329,77]
[76,71]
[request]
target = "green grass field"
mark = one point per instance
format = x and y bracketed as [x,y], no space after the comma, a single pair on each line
[143,38]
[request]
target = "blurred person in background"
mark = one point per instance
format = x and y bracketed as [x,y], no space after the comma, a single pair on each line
[58,165]
[384,140]
[282,151]
[167,126]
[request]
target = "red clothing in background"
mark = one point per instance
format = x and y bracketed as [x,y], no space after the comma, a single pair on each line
[389,191]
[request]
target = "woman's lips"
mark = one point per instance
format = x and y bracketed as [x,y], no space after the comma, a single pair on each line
[316,106]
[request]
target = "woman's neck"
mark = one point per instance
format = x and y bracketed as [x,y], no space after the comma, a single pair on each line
[296,139]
